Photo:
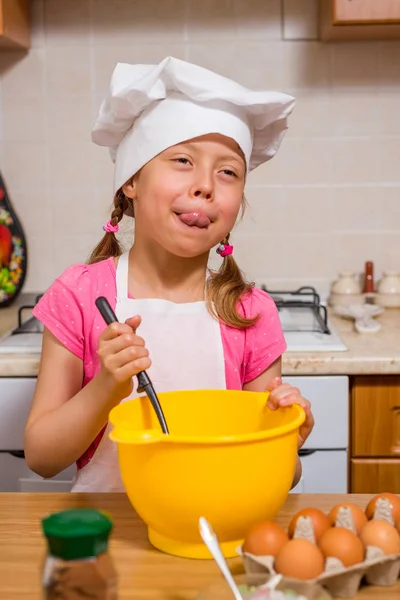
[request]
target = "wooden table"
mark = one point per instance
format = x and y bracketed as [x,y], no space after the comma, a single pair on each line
[144,573]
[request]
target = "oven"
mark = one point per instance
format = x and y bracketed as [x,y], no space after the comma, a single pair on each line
[307,328]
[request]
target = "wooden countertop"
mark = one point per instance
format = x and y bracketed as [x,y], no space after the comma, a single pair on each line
[143,572]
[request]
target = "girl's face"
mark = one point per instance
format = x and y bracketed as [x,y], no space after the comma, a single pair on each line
[187,198]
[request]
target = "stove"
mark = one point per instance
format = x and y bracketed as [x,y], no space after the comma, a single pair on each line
[304,319]
[26,337]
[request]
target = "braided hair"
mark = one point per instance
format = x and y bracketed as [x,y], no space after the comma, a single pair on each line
[109,245]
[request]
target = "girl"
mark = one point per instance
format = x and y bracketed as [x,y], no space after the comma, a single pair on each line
[183,140]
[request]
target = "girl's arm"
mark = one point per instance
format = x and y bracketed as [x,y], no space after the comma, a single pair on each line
[65,418]
[283,395]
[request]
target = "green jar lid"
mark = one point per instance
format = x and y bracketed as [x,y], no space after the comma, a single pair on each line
[78,533]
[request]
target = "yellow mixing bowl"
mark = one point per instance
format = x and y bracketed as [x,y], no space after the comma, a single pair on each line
[228,458]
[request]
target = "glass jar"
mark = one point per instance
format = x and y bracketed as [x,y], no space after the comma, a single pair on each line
[78,564]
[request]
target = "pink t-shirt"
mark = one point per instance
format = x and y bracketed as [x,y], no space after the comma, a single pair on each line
[68,310]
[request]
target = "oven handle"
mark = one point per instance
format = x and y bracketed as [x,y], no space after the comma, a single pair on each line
[305,452]
[16,453]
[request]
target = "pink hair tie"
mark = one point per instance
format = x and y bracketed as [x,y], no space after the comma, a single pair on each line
[225,250]
[110,228]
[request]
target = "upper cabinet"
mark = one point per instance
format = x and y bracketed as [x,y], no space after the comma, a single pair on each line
[362,12]
[14,24]
[359,19]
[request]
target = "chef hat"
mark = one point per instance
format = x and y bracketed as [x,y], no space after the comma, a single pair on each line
[150,108]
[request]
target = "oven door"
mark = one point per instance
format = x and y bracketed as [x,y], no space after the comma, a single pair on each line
[324,472]
[16,395]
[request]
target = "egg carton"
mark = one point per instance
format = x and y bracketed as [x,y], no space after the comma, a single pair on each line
[377,568]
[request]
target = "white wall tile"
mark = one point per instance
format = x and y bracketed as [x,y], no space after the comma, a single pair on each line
[25,121]
[68,70]
[300,19]
[312,114]
[356,160]
[303,254]
[261,255]
[23,74]
[258,19]
[388,199]
[68,116]
[390,154]
[307,210]
[124,22]
[209,20]
[37,23]
[355,113]
[390,253]
[355,65]
[25,166]
[307,65]
[357,209]
[353,249]
[305,161]
[389,65]
[70,166]
[389,117]
[67,23]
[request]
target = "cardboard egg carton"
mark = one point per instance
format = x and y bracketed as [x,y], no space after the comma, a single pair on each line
[377,568]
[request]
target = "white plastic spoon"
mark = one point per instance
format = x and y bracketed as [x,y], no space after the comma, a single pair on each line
[211,541]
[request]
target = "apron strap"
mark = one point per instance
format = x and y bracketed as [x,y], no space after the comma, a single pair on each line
[122,276]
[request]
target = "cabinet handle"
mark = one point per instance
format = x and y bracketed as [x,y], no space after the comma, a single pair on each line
[395,449]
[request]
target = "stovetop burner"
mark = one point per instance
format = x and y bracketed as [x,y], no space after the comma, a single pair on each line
[305,299]
[31,325]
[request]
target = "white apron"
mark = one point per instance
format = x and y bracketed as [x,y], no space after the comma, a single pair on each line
[185,346]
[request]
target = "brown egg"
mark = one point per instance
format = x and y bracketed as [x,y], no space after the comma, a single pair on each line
[343,544]
[394,501]
[358,514]
[398,526]
[265,539]
[300,559]
[382,535]
[319,520]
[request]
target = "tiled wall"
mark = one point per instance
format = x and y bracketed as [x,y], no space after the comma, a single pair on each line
[328,201]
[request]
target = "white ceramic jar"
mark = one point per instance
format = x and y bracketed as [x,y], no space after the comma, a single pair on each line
[389,290]
[346,290]
[346,283]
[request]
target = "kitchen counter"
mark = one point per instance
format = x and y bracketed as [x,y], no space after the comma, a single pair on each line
[143,572]
[368,354]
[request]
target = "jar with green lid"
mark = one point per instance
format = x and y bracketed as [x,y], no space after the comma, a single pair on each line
[78,564]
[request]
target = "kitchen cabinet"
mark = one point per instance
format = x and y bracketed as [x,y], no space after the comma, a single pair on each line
[361,12]
[359,19]
[370,476]
[375,434]
[14,24]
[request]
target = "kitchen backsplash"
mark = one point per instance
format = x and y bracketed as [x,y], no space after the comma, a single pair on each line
[329,200]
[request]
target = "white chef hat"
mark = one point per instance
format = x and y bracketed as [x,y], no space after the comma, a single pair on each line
[150,108]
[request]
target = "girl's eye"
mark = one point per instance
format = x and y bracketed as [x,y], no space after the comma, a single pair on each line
[229,172]
[182,160]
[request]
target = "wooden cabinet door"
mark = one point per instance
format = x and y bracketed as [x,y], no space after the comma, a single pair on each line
[14,24]
[370,476]
[359,12]
[375,416]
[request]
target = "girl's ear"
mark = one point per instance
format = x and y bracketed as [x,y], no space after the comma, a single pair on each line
[129,189]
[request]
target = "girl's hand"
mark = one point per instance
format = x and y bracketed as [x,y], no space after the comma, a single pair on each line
[283,394]
[122,355]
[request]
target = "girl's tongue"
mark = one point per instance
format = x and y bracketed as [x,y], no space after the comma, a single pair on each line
[195,219]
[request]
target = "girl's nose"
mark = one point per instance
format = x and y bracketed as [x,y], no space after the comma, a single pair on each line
[202,193]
